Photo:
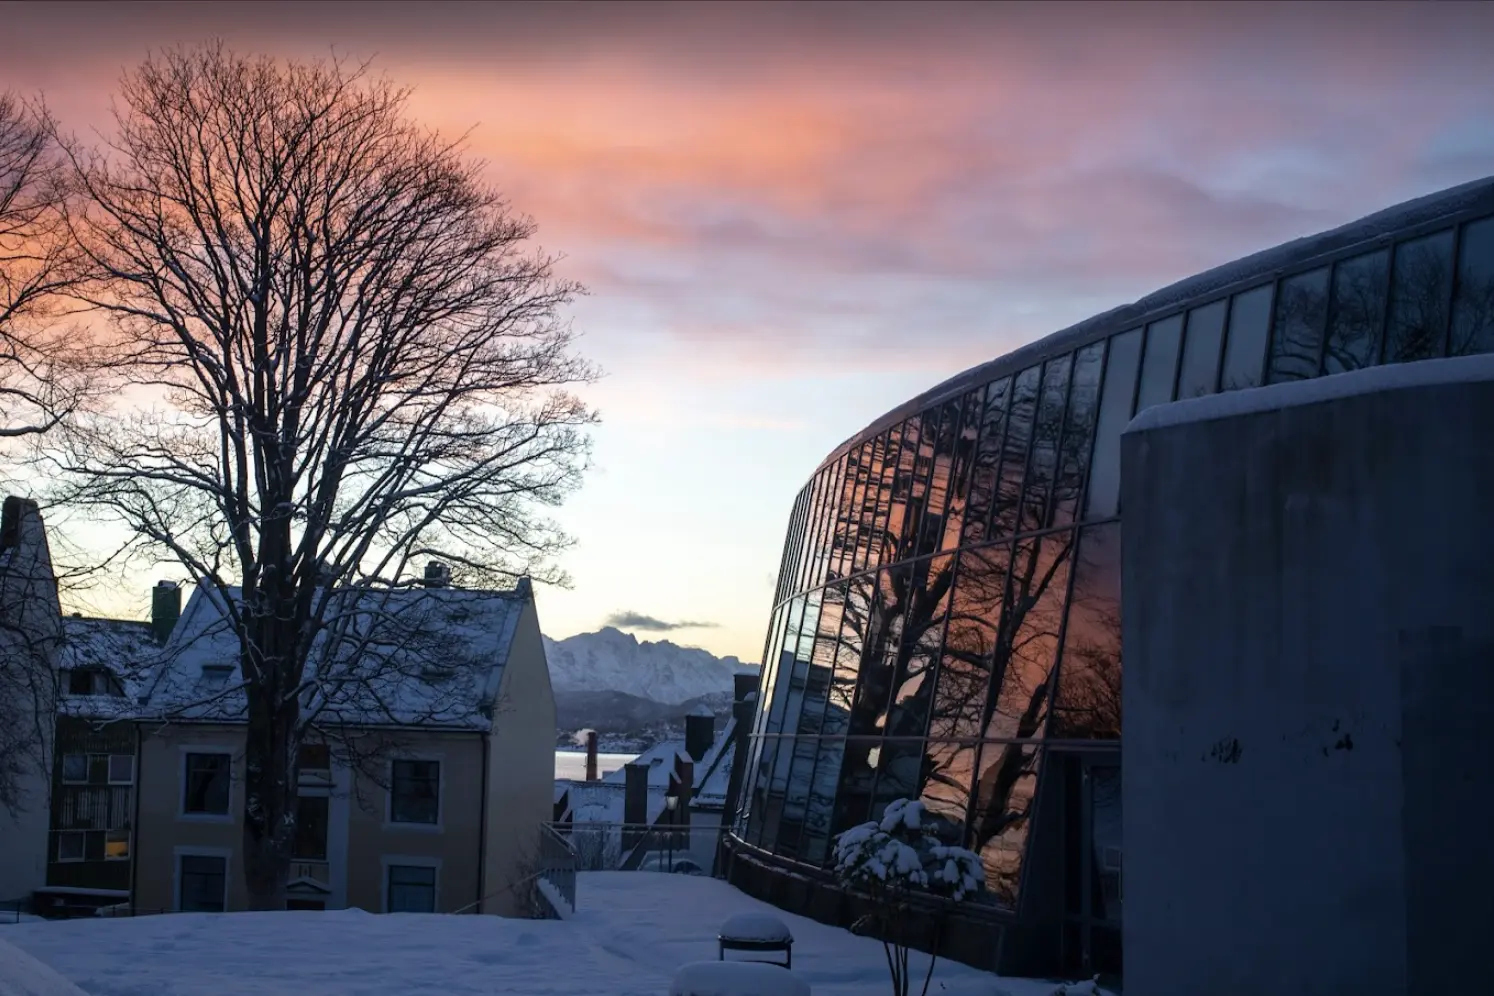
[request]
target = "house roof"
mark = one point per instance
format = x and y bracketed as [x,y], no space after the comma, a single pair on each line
[401,657]
[714,772]
[121,647]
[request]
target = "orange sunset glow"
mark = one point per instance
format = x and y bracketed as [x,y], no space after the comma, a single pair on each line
[792,217]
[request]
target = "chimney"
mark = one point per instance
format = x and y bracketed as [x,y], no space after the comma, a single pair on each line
[635,801]
[591,755]
[11,513]
[700,733]
[165,609]
[437,574]
[742,684]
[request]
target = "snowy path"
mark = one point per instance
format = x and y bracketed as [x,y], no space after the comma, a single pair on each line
[633,930]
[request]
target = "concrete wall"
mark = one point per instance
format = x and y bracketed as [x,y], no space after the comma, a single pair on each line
[1309,649]
[361,843]
[30,624]
[521,769]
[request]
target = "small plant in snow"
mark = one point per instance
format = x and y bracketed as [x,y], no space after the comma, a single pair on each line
[895,858]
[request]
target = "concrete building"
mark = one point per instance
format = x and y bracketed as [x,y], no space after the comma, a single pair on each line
[1309,571]
[426,780]
[947,621]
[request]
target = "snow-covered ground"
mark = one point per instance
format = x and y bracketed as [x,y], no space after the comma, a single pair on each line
[632,932]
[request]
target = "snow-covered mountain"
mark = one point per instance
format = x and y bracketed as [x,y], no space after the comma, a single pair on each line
[613,661]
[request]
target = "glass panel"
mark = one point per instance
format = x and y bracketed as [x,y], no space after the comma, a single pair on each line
[1020,416]
[830,748]
[1046,437]
[1249,328]
[940,445]
[842,514]
[311,828]
[883,547]
[75,768]
[207,784]
[1002,811]
[415,792]
[1027,649]
[202,883]
[1298,338]
[902,486]
[1103,497]
[880,634]
[961,465]
[917,655]
[1473,313]
[412,889]
[1078,432]
[867,539]
[1359,289]
[1419,298]
[823,528]
[1201,346]
[987,461]
[1089,678]
[923,466]
[796,760]
[1159,369]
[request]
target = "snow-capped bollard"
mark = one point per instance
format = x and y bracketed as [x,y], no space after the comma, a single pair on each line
[736,978]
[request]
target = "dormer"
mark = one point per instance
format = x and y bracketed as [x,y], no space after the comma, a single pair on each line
[93,681]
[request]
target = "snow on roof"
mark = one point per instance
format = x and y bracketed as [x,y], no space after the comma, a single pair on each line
[1260,266]
[714,773]
[410,656]
[121,647]
[660,760]
[1371,380]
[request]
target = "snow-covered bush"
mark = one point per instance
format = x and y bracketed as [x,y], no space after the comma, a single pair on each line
[904,854]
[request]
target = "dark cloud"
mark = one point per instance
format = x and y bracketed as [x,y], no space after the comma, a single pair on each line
[628,619]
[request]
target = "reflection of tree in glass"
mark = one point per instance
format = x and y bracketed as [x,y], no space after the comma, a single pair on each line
[1359,289]
[1298,335]
[1422,284]
[1473,314]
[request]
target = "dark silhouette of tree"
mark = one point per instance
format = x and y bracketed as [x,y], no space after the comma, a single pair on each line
[360,364]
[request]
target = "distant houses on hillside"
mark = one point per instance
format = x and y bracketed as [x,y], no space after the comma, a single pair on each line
[426,777]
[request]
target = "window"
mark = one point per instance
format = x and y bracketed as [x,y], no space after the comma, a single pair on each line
[412,889]
[306,904]
[311,828]
[203,883]
[70,844]
[1358,310]
[75,769]
[117,845]
[1420,295]
[205,789]
[1297,342]
[121,769]
[80,682]
[1205,337]
[1115,411]
[1473,311]
[1159,367]
[415,792]
[1249,328]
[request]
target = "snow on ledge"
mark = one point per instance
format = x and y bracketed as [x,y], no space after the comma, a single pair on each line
[1371,380]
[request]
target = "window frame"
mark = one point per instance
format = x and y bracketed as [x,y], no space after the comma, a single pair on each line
[64,775]
[81,836]
[178,877]
[183,813]
[389,862]
[390,822]
[129,842]
[127,781]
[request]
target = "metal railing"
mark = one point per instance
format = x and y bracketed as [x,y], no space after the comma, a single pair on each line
[558,866]
[13,913]
[659,847]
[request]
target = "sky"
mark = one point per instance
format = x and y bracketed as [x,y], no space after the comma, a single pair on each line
[792,217]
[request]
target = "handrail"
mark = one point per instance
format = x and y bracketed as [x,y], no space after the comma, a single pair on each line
[557,866]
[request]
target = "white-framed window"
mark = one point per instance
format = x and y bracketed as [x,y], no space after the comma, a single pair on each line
[75,769]
[116,845]
[71,845]
[121,769]
[206,782]
[410,885]
[415,791]
[312,812]
[201,881]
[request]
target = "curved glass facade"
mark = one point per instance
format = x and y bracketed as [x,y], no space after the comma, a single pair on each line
[947,619]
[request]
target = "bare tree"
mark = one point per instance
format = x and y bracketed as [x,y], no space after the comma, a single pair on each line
[42,369]
[359,363]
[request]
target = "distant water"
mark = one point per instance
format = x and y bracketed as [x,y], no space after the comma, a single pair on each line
[572,763]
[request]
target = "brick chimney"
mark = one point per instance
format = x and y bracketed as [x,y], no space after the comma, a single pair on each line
[165,609]
[591,755]
[700,733]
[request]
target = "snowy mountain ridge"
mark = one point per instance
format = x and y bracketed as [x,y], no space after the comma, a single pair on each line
[613,661]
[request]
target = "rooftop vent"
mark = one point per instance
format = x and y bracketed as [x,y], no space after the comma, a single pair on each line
[437,574]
